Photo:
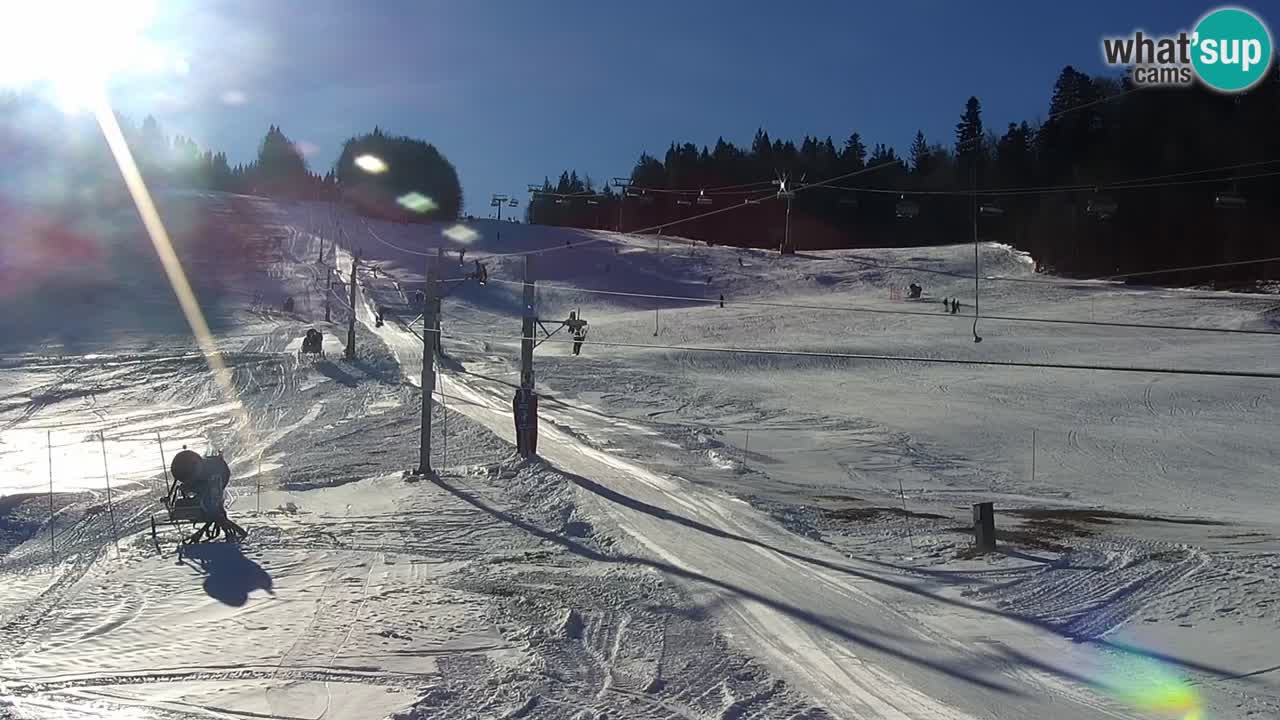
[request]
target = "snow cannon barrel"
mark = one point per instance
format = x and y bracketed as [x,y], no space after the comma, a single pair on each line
[187,468]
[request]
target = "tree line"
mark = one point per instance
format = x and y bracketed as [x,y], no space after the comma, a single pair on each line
[52,150]
[1114,179]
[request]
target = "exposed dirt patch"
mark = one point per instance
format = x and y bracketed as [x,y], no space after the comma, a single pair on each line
[1099,517]
[861,514]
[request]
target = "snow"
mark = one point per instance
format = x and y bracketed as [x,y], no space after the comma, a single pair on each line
[705,534]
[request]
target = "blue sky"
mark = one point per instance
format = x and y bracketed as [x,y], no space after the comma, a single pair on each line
[512,91]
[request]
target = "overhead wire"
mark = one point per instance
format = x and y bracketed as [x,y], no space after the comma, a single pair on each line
[900,358]
[1061,280]
[1129,184]
[888,311]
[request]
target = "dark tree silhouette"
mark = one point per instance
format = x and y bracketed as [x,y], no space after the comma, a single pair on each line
[414,169]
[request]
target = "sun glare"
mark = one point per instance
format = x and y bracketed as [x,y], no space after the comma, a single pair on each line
[74,47]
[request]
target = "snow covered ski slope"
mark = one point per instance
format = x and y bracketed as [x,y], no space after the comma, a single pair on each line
[710,531]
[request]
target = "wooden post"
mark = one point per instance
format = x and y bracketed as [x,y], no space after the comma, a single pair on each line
[746,449]
[164,464]
[444,422]
[984,527]
[53,553]
[1033,455]
[351,321]
[906,515]
[106,475]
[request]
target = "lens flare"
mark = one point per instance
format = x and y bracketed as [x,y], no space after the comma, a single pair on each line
[155,228]
[461,234]
[371,164]
[417,202]
[1151,687]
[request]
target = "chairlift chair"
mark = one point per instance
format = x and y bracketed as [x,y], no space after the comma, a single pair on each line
[1229,200]
[702,198]
[1101,207]
[906,209]
[988,209]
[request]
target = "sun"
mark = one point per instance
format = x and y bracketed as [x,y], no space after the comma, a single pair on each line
[74,47]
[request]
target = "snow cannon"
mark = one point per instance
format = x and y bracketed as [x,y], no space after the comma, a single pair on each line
[187,470]
[196,497]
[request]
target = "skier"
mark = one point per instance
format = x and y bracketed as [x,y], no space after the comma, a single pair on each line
[915,291]
[740,263]
[577,328]
[419,298]
[377,320]
[288,304]
[722,300]
[462,256]
[946,305]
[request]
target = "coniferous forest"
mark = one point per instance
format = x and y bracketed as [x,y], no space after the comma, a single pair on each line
[1113,179]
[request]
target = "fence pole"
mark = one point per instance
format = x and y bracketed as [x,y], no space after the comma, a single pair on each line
[1033,455]
[746,449]
[106,475]
[53,553]
[906,516]
[164,464]
[259,482]
[444,420]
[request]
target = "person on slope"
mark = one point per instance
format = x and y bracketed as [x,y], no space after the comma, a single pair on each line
[577,328]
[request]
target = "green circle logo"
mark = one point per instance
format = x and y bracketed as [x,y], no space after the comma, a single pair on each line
[1231,50]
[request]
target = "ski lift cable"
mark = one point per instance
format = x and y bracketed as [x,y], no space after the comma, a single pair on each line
[702,191]
[906,358]
[1041,281]
[1130,184]
[1099,101]
[641,231]
[745,203]
[919,313]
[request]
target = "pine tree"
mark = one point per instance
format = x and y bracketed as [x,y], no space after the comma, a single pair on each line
[854,156]
[969,142]
[921,156]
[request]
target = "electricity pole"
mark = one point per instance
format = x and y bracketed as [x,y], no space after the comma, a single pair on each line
[351,321]
[430,326]
[785,192]
[525,405]
[328,292]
